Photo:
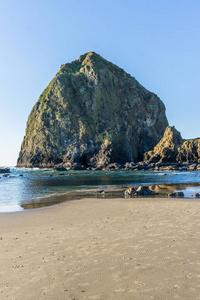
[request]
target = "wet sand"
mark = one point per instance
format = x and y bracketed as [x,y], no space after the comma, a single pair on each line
[102,249]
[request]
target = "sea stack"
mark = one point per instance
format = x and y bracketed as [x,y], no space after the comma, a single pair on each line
[167,149]
[173,149]
[92,113]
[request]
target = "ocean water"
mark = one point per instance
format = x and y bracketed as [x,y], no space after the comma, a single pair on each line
[30,190]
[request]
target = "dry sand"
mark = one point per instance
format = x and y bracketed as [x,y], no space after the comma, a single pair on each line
[102,249]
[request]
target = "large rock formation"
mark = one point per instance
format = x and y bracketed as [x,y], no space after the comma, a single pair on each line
[167,149]
[189,151]
[172,148]
[93,113]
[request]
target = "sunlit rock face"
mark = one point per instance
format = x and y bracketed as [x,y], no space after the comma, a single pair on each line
[93,113]
[167,149]
[172,148]
[189,151]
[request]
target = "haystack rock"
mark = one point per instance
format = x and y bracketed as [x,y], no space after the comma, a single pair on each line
[92,113]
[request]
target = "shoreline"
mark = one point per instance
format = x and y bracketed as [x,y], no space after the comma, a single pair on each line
[102,249]
[128,166]
[54,188]
[130,198]
[107,193]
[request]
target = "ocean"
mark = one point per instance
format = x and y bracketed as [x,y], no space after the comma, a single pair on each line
[33,188]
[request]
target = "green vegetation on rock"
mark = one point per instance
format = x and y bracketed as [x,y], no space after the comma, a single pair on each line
[172,148]
[94,113]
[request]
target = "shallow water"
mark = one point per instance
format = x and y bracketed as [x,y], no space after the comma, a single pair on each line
[19,192]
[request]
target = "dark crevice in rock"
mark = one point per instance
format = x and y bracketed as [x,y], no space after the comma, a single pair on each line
[92,113]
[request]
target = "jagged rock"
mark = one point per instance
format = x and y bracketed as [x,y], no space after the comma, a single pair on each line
[135,167]
[59,169]
[139,191]
[130,166]
[77,167]
[144,191]
[4,170]
[176,194]
[180,194]
[167,149]
[156,187]
[172,148]
[172,195]
[192,167]
[113,167]
[130,191]
[168,168]
[189,151]
[150,166]
[197,195]
[92,113]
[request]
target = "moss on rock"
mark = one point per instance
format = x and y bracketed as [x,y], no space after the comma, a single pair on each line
[92,112]
[172,148]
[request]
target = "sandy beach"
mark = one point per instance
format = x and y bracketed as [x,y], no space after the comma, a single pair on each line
[102,249]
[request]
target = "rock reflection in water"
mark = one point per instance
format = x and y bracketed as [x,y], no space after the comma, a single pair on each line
[161,190]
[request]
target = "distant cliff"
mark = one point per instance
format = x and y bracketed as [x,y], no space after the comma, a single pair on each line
[93,113]
[172,148]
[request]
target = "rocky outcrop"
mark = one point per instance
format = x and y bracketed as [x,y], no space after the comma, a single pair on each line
[92,113]
[4,170]
[176,194]
[167,149]
[172,148]
[197,195]
[189,151]
[139,191]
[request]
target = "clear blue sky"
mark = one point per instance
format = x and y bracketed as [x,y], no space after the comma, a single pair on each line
[158,42]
